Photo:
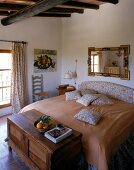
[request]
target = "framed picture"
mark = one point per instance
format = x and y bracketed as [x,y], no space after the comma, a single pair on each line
[45,60]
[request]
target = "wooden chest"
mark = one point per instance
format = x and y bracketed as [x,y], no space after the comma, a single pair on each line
[37,151]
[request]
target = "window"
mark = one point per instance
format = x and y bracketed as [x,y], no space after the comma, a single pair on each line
[95,63]
[5,77]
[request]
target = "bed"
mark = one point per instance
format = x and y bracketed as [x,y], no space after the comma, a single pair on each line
[115,127]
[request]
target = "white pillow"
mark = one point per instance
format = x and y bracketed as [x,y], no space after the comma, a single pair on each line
[87,99]
[90,116]
[88,91]
[102,100]
[73,95]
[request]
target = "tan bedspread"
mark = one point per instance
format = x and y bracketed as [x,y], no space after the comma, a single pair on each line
[99,141]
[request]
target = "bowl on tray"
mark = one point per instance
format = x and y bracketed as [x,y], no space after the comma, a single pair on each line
[43,123]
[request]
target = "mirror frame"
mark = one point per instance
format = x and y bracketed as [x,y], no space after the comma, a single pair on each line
[125,48]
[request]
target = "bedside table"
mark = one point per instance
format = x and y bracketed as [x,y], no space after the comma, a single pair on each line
[62,89]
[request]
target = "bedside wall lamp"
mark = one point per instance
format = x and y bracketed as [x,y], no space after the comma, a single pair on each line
[72,74]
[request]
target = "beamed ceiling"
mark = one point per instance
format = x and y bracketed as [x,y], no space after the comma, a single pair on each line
[17,10]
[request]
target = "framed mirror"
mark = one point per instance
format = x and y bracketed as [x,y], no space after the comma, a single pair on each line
[109,61]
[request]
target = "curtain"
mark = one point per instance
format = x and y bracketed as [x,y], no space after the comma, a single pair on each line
[19,96]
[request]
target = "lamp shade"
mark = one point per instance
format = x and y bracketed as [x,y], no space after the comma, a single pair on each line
[67,76]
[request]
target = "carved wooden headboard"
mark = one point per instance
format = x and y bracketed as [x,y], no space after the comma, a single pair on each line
[114,90]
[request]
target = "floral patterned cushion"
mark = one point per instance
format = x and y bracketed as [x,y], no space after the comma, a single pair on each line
[88,91]
[102,100]
[89,116]
[87,99]
[73,95]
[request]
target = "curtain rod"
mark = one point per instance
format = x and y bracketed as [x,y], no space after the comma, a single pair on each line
[13,41]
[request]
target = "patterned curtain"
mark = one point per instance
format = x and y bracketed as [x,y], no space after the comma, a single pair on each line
[18,83]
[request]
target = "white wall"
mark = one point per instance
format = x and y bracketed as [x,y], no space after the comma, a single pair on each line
[110,26]
[40,33]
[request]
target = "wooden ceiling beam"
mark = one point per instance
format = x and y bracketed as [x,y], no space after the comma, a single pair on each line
[11,7]
[32,2]
[65,10]
[52,15]
[31,11]
[14,7]
[75,4]
[6,13]
[20,2]
[110,1]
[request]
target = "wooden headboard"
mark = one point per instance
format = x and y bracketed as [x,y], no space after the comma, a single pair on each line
[114,90]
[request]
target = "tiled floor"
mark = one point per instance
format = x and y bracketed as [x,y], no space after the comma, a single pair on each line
[8,159]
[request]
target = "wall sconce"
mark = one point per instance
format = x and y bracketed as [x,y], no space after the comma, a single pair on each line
[72,74]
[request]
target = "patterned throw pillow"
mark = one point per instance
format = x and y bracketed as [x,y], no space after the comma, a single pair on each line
[87,99]
[102,100]
[89,116]
[73,95]
[88,91]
